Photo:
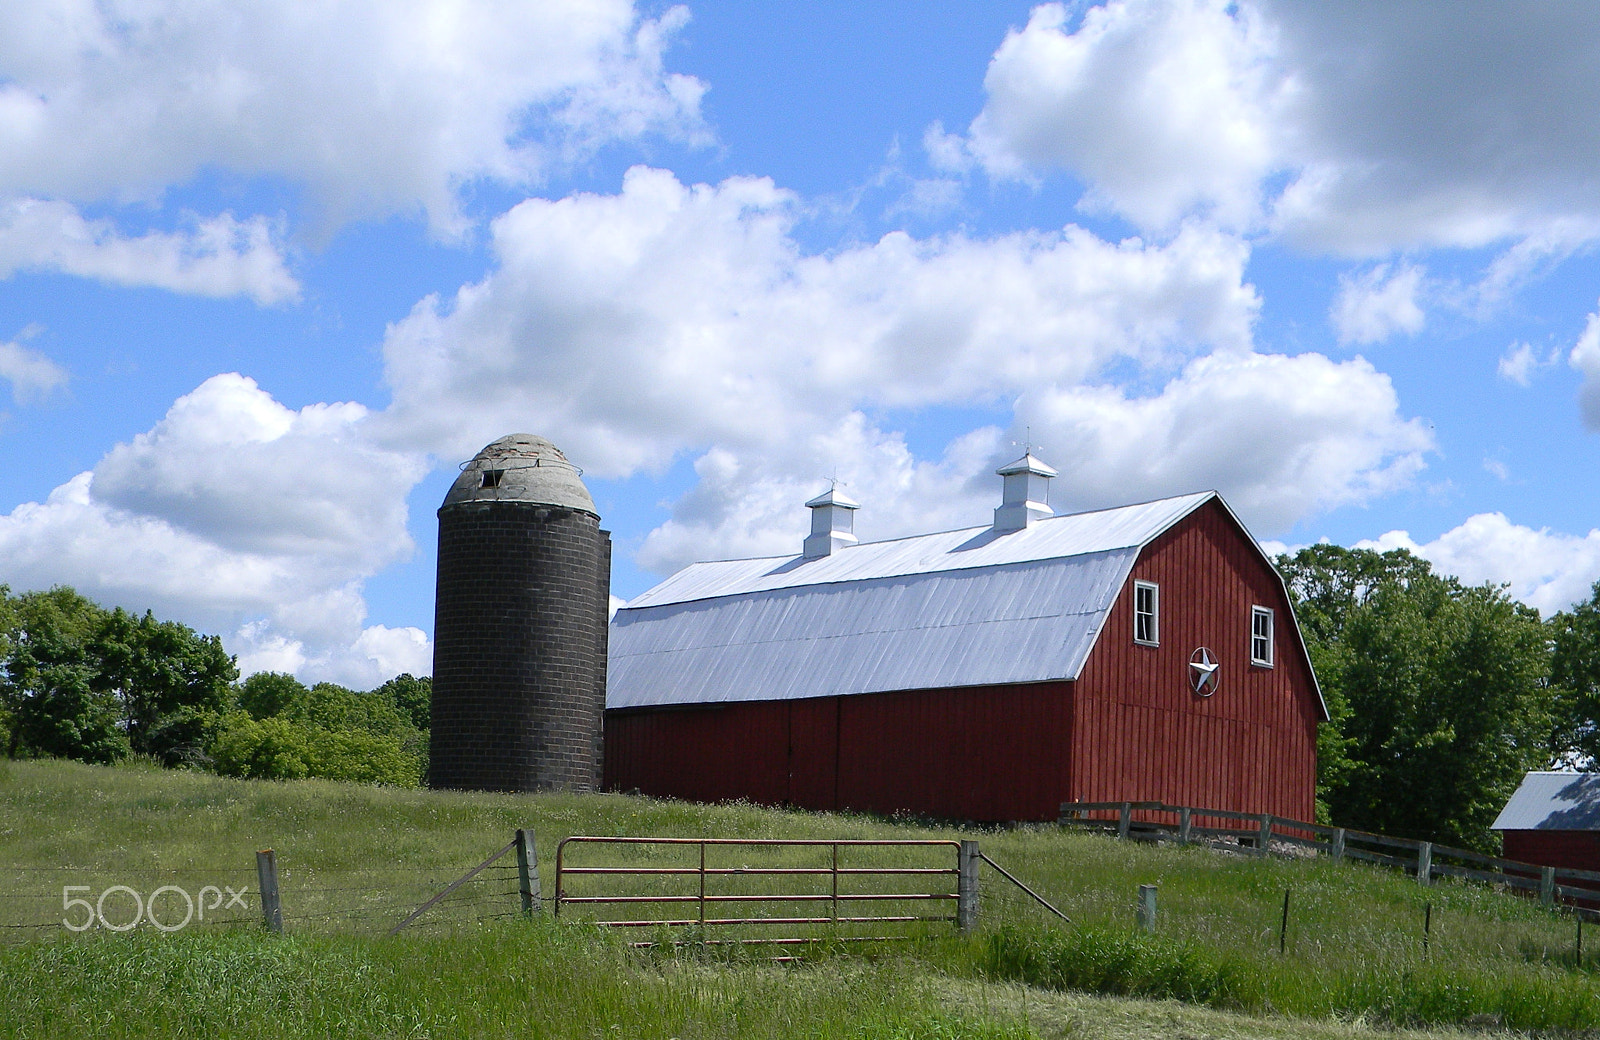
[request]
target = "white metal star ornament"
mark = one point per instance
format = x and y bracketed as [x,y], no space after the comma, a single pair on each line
[1203,667]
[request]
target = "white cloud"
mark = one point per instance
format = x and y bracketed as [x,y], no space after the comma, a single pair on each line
[1280,437]
[219,256]
[1585,357]
[32,375]
[376,107]
[1547,570]
[1377,303]
[1164,108]
[670,317]
[1520,361]
[1359,130]
[234,514]
[377,655]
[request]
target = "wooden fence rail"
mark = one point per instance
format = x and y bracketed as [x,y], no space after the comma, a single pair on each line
[1264,834]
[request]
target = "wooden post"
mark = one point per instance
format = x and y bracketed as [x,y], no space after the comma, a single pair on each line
[1547,885]
[967,889]
[1184,826]
[1427,925]
[1264,836]
[1337,852]
[1146,912]
[528,874]
[1124,819]
[1424,862]
[267,884]
[1283,927]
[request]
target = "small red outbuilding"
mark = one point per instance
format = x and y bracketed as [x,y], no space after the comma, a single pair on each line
[1553,819]
[1147,652]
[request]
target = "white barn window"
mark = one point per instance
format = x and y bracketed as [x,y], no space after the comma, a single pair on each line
[1261,636]
[1146,613]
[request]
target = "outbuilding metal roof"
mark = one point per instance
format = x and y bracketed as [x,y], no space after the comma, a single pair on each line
[1553,802]
[957,608]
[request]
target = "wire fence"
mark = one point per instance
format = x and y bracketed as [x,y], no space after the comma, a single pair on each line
[57,902]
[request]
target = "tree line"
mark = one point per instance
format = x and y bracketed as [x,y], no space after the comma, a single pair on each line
[82,682]
[1442,695]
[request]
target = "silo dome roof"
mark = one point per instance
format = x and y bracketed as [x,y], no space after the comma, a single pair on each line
[521,467]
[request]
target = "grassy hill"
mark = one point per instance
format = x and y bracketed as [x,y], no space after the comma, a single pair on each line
[355,859]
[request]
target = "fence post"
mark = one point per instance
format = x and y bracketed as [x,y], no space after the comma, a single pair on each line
[1184,824]
[1338,844]
[967,889]
[267,885]
[1547,885]
[1264,837]
[1146,913]
[1124,819]
[528,874]
[1424,862]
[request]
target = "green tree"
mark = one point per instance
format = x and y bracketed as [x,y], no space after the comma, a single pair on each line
[171,682]
[81,682]
[1439,693]
[413,696]
[265,694]
[53,701]
[1575,680]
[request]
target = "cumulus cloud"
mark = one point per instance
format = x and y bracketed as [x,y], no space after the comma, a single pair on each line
[220,256]
[1585,357]
[376,107]
[1374,305]
[32,375]
[1359,130]
[1164,108]
[1280,437]
[668,317]
[671,319]
[1546,569]
[235,514]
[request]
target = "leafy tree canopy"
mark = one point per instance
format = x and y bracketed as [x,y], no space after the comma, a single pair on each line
[1438,692]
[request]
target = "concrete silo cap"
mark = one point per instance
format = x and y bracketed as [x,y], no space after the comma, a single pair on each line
[521,467]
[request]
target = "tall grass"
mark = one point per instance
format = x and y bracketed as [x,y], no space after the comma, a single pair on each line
[506,980]
[355,860]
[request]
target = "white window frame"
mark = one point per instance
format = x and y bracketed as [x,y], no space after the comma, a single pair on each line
[1154,613]
[1257,639]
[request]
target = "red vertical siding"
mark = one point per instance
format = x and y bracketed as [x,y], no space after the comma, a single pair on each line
[980,753]
[1141,733]
[1578,850]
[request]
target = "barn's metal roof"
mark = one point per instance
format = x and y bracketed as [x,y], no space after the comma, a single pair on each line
[1058,537]
[1553,802]
[957,608]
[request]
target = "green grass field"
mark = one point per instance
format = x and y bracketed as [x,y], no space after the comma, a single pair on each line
[354,860]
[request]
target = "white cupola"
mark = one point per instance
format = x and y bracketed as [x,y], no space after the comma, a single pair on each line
[832,523]
[1025,495]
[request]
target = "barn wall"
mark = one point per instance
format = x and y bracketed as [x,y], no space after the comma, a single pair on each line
[1579,850]
[1141,734]
[979,753]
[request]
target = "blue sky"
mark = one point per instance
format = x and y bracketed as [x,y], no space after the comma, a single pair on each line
[267,275]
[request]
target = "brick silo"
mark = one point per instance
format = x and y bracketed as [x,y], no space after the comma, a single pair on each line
[519,651]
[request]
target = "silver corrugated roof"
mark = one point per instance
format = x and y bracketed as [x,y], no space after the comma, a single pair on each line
[1056,537]
[957,608]
[1553,802]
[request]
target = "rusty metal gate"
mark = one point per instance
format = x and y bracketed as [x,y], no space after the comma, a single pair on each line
[705,900]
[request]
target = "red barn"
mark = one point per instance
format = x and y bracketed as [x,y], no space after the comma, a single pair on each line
[1553,819]
[1147,652]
